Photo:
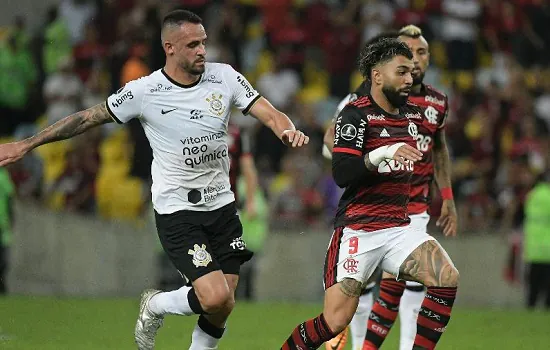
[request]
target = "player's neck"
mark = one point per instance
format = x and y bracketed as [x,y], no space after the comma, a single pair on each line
[381,100]
[179,75]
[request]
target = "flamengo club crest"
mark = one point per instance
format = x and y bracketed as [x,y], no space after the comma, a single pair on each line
[216,106]
[200,256]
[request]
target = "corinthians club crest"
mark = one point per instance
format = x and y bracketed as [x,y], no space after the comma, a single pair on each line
[200,256]
[216,106]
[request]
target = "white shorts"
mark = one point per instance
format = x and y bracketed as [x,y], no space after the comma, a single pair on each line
[356,254]
[420,221]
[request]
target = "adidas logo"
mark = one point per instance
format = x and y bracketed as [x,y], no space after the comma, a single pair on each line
[384,133]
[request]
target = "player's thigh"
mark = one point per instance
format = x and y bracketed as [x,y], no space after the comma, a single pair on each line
[225,236]
[352,254]
[417,256]
[187,245]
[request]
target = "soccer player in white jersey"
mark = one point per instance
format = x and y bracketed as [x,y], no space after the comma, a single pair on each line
[184,110]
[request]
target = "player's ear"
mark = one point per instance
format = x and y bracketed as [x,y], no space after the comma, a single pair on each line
[168,48]
[376,77]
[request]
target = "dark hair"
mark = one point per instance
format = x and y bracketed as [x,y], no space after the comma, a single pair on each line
[378,37]
[381,51]
[178,17]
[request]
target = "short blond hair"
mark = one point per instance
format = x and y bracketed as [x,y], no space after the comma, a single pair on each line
[411,31]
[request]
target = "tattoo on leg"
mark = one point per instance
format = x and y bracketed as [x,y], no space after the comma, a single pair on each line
[429,265]
[350,287]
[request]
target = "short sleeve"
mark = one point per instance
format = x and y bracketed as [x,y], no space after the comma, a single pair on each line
[349,125]
[127,102]
[244,95]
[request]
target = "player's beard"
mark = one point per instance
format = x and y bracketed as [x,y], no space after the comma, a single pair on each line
[394,96]
[194,68]
[417,80]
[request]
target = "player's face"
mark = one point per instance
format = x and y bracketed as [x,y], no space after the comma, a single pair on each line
[421,56]
[190,48]
[397,80]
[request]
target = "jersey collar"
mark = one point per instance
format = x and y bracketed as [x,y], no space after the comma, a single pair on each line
[181,85]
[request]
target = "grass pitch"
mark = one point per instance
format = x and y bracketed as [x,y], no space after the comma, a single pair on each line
[31,323]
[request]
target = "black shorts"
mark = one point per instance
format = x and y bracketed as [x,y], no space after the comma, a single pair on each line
[198,243]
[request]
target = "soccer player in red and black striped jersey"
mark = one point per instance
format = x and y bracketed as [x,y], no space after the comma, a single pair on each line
[373,159]
[407,297]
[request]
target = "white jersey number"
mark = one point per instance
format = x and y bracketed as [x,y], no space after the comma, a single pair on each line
[423,142]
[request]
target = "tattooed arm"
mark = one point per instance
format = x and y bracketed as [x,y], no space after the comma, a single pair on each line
[442,165]
[66,128]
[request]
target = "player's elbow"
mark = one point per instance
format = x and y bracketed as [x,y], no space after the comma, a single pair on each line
[340,177]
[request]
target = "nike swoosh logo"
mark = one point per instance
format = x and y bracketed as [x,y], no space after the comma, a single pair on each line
[168,111]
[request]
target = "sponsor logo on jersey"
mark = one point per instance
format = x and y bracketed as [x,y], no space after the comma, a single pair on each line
[246,85]
[122,97]
[375,117]
[348,132]
[160,88]
[238,244]
[211,192]
[416,115]
[213,79]
[196,114]
[434,100]
[216,105]
[361,134]
[200,139]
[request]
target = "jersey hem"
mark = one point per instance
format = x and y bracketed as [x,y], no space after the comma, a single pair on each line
[112,114]
[251,104]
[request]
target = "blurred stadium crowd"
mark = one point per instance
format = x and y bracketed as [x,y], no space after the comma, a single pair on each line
[490,56]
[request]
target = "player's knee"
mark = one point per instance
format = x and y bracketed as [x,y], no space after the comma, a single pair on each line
[452,278]
[217,300]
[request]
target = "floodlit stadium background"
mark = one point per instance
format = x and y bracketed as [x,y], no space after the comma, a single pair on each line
[84,244]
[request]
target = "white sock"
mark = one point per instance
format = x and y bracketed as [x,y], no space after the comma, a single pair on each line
[411,301]
[174,303]
[202,340]
[358,325]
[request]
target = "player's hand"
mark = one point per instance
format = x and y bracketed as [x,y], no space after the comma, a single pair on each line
[448,219]
[12,152]
[406,152]
[294,138]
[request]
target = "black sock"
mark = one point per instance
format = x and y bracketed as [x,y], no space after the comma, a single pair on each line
[209,328]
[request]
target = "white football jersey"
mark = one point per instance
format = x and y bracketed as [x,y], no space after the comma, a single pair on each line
[186,126]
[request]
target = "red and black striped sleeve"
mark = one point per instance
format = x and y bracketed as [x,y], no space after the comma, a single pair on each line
[348,165]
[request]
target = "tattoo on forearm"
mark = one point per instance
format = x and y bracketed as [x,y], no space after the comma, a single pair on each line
[429,265]
[350,287]
[72,125]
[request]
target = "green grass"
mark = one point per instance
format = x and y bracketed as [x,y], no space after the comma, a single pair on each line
[50,323]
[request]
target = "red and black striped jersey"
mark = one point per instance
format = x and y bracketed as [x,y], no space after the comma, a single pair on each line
[372,200]
[435,108]
[238,146]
